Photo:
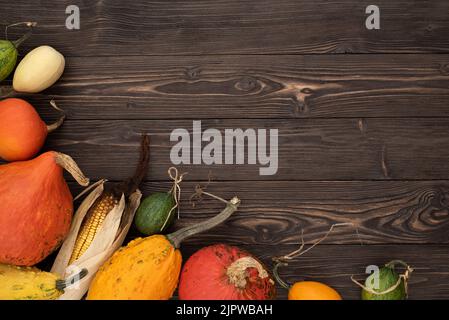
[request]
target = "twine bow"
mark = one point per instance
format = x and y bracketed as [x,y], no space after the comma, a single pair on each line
[175,190]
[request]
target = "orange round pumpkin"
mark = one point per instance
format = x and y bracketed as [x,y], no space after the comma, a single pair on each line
[22,131]
[35,207]
[222,272]
[312,290]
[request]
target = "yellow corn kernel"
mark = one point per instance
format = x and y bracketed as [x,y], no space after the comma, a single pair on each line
[92,223]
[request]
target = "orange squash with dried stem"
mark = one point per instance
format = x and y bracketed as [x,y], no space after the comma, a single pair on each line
[305,290]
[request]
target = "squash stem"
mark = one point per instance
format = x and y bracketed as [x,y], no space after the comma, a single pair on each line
[70,165]
[7,92]
[19,41]
[277,277]
[52,127]
[177,237]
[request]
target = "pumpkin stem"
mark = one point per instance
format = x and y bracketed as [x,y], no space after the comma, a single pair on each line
[277,277]
[177,237]
[62,284]
[236,272]
[7,92]
[19,41]
[52,127]
[70,165]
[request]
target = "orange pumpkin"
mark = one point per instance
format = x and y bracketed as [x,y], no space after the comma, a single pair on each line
[22,131]
[223,272]
[312,290]
[35,207]
[305,290]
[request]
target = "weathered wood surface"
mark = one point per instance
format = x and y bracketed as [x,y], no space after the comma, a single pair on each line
[275,213]
[316,149]
[363,137]
[143,27]
[199,87]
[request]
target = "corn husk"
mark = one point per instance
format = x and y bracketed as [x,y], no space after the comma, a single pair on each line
[108,239]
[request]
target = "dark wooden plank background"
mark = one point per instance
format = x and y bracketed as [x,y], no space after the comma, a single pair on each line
[363,119]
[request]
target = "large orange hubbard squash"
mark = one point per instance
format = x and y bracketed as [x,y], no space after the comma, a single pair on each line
[35,207]
[149,268]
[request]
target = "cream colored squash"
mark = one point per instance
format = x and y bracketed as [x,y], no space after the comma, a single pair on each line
[38,70]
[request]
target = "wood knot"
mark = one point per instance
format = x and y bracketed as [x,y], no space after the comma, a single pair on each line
[307,91]
[246,84]
[344,49]
[430,27]
[444,69]
[193,73]
[437,199]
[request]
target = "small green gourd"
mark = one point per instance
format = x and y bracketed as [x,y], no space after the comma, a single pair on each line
[157,212]
[390,285]
[9,52]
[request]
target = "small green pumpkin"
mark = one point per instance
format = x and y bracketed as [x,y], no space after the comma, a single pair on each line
[8,52]
[392,286]
[8,58]
[156,213]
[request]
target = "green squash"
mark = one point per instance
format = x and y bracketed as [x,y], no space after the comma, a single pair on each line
[8,58]
[388,278]
[156,213]
[9,53]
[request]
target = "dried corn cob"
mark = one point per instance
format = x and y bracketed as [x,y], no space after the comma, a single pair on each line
[80,249]
[92,223]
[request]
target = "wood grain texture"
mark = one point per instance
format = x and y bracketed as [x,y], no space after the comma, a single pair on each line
[275,213]
[334,265]
[143,27]
[251,87]
[363,135]
[315,149]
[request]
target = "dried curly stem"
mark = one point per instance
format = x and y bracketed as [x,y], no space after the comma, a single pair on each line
[52,127]
[70,165]
[18,42]
[236,272]
[282,261]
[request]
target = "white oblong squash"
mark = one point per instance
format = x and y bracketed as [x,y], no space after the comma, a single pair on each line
[38,70]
